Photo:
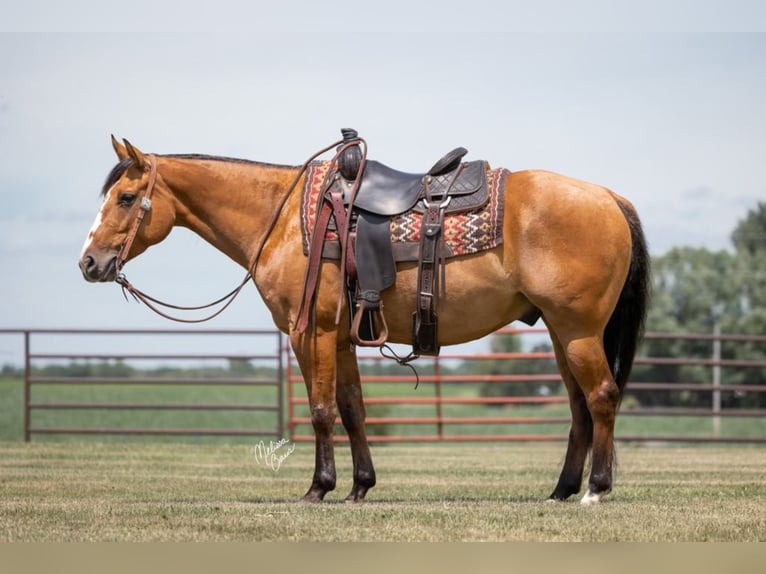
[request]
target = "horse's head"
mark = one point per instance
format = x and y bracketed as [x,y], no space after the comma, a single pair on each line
[136,212]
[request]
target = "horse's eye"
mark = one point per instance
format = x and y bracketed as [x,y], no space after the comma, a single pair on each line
[126,198]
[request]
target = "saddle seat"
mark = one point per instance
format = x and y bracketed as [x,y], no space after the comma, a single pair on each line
[387,192]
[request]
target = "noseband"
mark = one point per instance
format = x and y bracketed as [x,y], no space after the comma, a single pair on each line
[143,208]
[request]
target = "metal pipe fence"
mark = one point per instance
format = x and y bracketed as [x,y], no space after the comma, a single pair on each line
[460,396]
[53,393]
[460,406]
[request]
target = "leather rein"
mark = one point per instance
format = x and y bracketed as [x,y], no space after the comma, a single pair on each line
[145,206]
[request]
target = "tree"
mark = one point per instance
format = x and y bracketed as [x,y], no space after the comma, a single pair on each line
[695,288]
[749,238]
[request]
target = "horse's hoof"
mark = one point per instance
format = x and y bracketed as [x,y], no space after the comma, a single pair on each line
[592,498]
[560,495]
[356,496]
[313,497]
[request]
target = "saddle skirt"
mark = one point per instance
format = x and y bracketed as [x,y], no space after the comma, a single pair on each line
[465,232]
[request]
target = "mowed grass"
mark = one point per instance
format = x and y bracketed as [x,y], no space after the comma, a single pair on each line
[90,491]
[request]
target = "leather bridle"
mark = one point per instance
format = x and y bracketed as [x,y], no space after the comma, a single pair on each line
[144,206]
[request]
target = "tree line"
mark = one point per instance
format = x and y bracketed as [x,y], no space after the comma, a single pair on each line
[702,291]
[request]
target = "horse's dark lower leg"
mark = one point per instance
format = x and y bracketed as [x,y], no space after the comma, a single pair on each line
[316,358]
[587,362]
[580,439]
[580,433]
[322,419]
[352,412]
[602,403]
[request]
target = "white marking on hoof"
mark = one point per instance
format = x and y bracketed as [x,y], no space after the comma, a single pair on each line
[590,498]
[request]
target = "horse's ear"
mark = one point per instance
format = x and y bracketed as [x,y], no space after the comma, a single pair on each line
[119,149]
[135,154]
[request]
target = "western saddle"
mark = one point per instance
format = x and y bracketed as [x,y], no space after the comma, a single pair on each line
[359,198]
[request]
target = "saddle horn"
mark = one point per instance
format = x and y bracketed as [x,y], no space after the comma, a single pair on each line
[350,160]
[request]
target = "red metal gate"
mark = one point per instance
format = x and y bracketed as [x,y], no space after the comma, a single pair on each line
[446,414]
[451,403]
[95,346]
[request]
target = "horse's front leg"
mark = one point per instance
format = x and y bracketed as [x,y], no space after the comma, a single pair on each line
[351,406]
[316,356]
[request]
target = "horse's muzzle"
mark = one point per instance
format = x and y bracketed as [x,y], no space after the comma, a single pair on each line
[98,269]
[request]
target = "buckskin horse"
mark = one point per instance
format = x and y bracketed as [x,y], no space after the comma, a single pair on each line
[572,252]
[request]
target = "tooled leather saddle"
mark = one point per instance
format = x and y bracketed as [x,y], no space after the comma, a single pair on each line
[358,200]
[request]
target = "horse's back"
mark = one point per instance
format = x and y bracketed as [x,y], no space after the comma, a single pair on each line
[562,214]
[554,193]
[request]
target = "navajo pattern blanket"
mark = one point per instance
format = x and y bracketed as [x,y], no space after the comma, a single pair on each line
[464,233]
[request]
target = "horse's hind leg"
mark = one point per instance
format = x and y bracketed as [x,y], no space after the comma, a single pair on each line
[316,357]
[588,364]
[580,433]
[352,412]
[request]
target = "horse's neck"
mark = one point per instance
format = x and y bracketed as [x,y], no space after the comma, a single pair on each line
[227,203]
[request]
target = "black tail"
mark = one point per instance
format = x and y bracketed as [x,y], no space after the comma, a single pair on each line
[626,325]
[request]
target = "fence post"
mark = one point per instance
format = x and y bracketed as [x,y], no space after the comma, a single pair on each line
[281,353]
[716,378]
[289,381]
[438,393]
[27,388]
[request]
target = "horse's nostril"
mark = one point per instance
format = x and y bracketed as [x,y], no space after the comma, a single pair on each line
[95,268]
[88,266]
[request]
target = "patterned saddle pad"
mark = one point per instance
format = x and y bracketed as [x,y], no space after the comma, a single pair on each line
[464,233]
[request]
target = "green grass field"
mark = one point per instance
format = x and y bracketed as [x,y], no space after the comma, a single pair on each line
[163,492]
[150,488]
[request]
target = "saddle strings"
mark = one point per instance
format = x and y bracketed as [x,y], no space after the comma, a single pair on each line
[347,228]
[343,237]
[403,361]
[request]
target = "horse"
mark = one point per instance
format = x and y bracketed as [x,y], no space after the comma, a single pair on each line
[573,251]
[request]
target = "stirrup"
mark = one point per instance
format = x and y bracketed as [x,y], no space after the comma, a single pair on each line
[377,323]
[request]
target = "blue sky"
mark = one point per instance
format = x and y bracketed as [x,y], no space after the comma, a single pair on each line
[661,109]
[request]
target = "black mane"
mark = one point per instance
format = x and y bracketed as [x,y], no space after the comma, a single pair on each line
[119,169]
